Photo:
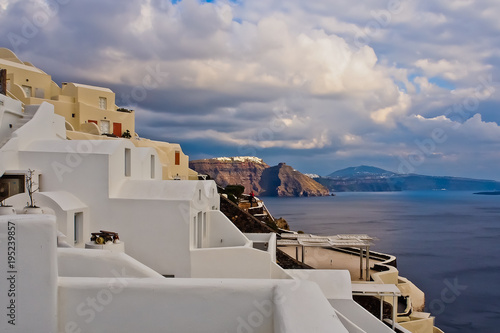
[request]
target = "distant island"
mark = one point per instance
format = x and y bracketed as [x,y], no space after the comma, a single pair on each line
[489,193]
[372,179]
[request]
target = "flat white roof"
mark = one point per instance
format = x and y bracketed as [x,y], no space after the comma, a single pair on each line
[82,147]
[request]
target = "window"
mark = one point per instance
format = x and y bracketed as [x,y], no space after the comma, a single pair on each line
[128,162]
[177,158]
[27,91]
[103,103]
[204,225]
[78,228]
[39,93]
[195,233]
[199,231]
[153,162]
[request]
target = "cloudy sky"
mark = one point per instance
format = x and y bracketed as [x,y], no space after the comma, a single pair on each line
[409,86]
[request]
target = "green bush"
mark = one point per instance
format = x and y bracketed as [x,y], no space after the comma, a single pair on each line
[126,134]
[236,190]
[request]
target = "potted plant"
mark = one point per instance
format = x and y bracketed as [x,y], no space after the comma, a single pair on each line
[31,187]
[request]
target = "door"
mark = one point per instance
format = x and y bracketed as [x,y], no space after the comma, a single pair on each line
[117,129]
[104,126]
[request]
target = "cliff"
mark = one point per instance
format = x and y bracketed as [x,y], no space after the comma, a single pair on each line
[245,171]
[257,176]
[284,181]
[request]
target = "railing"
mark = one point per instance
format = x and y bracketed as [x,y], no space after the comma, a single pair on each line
[11,95]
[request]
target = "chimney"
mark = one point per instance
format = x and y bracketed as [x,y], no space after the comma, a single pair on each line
[3,81]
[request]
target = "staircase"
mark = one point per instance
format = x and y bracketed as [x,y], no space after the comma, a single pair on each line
[18,124]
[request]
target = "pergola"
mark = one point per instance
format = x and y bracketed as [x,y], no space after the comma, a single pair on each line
[361,241]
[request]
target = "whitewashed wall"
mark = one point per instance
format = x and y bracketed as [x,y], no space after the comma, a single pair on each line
[28,266]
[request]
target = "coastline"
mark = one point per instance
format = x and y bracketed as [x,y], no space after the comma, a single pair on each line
[438,237]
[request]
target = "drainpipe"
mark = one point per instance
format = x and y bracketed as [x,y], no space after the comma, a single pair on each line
[3,81]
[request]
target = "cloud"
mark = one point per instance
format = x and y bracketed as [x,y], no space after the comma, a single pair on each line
[332,81]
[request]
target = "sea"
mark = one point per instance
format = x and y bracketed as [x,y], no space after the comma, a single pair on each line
[446,242]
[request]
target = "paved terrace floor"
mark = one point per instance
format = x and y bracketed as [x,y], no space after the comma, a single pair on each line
[323,258]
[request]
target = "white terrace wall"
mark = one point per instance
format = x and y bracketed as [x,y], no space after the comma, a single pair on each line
[100,263]
[28,287]
[165,305]
[193,305]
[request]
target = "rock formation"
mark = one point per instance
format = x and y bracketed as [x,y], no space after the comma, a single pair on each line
[257,176]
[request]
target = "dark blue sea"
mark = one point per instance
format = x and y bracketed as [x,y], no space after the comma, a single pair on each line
[447,243]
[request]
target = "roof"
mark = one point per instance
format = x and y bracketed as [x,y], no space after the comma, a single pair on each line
[65,200]
[82,147]
[85,86]
[20,66]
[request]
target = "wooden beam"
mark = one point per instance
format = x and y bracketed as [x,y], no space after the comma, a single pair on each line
[3,81]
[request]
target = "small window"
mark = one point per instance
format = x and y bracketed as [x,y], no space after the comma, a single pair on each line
[153,162]
[39,93]
[177,158]
[204,225]
[128,162]
[103,103]
[78,228]
[199,195]
[195,232]
[27,90]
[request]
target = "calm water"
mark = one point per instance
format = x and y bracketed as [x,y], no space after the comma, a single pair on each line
[447,243]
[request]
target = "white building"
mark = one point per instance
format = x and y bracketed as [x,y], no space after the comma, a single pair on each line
[168,227]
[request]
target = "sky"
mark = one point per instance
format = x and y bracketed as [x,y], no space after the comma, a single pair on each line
[408,86]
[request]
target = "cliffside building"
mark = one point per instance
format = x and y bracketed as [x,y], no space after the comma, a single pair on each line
[90,112]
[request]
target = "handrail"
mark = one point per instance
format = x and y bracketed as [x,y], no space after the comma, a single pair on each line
[11,95]
[268,212]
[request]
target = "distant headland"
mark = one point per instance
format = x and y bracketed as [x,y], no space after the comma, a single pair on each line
[372,179]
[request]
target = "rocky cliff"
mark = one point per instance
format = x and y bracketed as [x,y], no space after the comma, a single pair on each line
[245,171]
[284,181]
[257,176]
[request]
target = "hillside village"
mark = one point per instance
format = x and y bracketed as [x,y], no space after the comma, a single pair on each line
[105,231]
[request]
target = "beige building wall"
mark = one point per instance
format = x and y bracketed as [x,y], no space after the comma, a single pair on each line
[77,103]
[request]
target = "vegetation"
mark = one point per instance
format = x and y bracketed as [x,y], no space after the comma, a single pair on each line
[234,192]
[124,110]
[31,187]
[126,134]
